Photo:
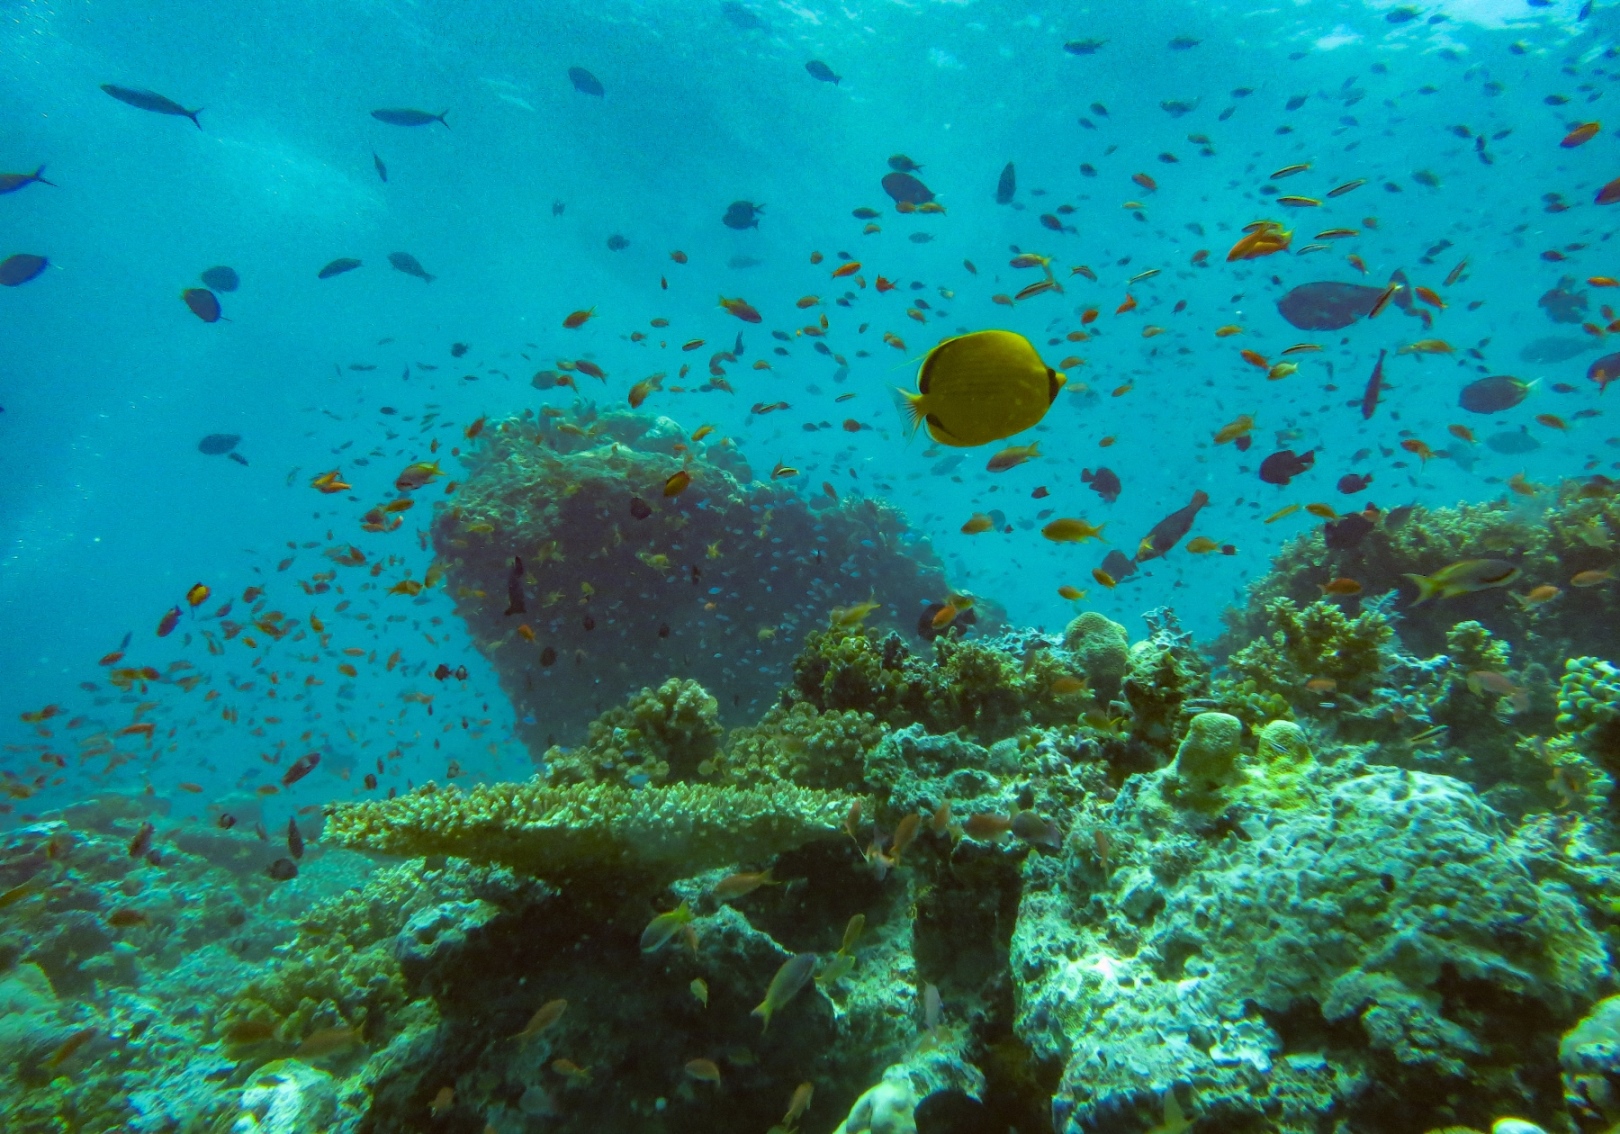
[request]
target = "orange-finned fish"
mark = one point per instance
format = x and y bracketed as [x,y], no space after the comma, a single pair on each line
[848,268]
[197,595]
[578,318]
[1456,273]
[677,482]
[742,309]
[1585,132]
[1348,186]
[170,619]
[1383,301]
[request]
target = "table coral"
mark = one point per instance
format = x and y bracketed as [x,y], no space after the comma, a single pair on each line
[570,829]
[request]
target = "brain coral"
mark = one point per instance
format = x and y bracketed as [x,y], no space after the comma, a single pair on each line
[1391,922]
[623,585]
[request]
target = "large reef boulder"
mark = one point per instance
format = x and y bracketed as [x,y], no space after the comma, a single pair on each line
[626,578]
[1285,965]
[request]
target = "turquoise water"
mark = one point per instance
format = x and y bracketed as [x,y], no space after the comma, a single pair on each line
[535,198]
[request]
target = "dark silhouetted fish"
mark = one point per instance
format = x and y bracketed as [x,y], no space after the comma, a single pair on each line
[405,262]
[742,214]
[1513,442]
[382,170]
[151,100]
[905,189]
[1284,465]
[218,444]
[900,163]
[1562,304]
[1346,533]
[1555,349]
[1118,565]
[1007,186]
[1351,483]
[19,269]
[405,116]
[222,278]
[1493,395]
[514,589]
[11,182]
[1327,306]
[1084,47]
[1104,482]
[337,268]
[1168,531]
[204,304]
[1375,386]
[585,82]
[617,243]
[820,72]
[740,16]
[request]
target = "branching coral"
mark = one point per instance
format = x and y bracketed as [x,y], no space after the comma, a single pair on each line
[572,829]
[1589,706]
[1319,644]
[986,690]
[668,733]
[801,745]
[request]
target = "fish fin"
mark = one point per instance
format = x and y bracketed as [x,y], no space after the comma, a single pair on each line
[442,121]
[42,180]
[1427,588]
[912,406]
[192,114]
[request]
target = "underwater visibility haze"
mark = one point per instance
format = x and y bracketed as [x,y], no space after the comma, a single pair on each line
[774,567]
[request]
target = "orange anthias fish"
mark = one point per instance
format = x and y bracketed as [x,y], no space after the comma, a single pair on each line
[578,318]
[1264,239]
[197,595]
[743,310]
[414,476]
[1585,132]
[846,269]
[330,482]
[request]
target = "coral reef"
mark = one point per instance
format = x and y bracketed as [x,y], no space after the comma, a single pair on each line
[668,733]
[1589,706]
[623,582]
[1304,968]
[573,829]
[1552,534]
[1101,649]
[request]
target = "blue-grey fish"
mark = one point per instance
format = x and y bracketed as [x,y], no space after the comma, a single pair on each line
[19,269]
[218,444]
[222,278]
[1007,186]
[404,116]
[585,82]
[338,267]
[151,100]
[742,214]
[405,262]
[382,170]
[741,17]
[822,73]
[11,182]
